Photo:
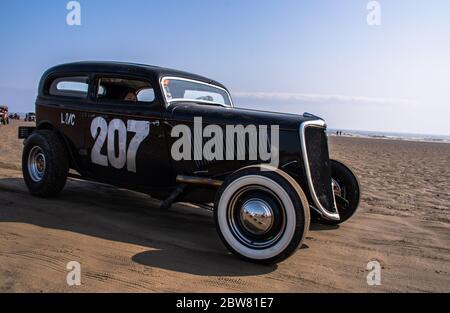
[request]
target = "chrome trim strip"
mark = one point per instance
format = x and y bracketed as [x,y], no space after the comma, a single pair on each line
[318,206]
[169,102]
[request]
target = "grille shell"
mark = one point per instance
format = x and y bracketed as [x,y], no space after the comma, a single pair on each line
[317,165]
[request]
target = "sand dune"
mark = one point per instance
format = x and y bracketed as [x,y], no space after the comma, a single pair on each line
[124,243]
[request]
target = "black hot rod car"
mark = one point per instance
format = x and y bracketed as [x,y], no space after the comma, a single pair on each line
[162,132]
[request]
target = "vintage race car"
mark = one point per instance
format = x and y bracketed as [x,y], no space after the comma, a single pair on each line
[177,137]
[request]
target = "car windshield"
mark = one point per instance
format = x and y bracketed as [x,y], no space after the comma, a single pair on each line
[181,89]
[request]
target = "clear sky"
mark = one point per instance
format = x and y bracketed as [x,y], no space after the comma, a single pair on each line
[318,56]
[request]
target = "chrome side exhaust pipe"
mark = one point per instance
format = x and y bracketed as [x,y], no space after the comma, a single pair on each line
[199,181]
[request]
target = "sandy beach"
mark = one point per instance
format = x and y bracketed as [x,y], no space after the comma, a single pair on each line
[124,243]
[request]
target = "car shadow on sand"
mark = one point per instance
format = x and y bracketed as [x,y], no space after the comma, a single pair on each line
[322,227]
[182,239]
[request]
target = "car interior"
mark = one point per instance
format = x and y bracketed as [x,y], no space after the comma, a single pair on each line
[124,90]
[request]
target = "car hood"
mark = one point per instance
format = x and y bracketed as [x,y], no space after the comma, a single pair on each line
[220,115]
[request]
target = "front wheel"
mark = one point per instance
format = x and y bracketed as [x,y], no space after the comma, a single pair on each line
[346,191]
[261,216]
[45,164]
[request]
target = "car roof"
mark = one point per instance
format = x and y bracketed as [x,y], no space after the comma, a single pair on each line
[125,67]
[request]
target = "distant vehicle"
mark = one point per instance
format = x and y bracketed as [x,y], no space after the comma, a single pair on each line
[114,123]
[14,116]
[4,116]
[30,117]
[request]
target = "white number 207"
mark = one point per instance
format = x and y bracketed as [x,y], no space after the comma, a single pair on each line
[101,132]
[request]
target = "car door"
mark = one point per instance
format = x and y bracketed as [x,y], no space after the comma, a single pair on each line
[125,139]
[62,104]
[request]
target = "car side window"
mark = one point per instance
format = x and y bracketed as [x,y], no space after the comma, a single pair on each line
[122,90]
[146,95]
[75,87]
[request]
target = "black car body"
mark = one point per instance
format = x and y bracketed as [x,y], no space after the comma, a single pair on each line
[82,117]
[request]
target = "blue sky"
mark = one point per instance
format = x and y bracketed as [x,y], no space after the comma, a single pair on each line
[318,56]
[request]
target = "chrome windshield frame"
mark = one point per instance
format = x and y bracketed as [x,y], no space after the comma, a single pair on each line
[170,102]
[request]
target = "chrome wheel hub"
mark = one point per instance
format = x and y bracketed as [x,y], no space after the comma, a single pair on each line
[256,216]
[36,164]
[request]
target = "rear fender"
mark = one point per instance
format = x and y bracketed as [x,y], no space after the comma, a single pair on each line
[67,143]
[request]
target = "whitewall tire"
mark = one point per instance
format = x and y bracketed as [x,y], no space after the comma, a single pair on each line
[261,215]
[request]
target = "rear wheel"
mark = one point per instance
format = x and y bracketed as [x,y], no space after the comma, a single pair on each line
[261,216]
[45,164]
[346,191]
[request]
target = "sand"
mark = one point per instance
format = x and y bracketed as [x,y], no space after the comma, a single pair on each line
[124,243]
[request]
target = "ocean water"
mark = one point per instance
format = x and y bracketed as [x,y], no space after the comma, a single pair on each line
[387,135]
